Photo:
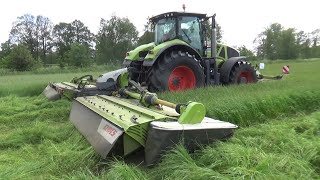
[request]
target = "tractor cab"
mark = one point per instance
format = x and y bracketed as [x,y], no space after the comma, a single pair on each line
[180,25]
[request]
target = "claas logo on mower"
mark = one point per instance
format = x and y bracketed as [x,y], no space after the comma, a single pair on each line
[110,130]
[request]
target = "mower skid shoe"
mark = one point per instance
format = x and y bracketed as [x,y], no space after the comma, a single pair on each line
[100,133]
[51,93]
[162,136]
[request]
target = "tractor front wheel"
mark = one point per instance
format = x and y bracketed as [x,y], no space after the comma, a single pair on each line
[176,71]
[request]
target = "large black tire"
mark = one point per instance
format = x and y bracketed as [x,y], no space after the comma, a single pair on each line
[176,71]
[242,72]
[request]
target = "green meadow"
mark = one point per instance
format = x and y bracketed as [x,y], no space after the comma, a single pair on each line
[278,135]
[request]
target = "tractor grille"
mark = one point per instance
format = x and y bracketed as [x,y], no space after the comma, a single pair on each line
[143,54]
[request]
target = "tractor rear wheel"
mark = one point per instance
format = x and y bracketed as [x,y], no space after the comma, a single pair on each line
[242,73]
[176,71]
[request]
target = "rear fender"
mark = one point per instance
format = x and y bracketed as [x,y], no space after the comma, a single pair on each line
[227,66]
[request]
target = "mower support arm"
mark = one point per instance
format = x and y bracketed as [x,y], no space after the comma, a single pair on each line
[190,113]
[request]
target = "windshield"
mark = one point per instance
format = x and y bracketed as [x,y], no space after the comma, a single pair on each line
[165,30]
[189,30]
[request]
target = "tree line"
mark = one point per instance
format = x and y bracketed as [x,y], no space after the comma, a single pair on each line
[35,41]
[278,42]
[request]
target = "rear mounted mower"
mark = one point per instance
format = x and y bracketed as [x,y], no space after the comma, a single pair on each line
[128,118]
[118,116]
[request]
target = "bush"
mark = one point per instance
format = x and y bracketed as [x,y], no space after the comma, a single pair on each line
[78,55]
[19,59]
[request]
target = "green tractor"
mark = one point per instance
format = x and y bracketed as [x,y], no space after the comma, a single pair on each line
[180,57]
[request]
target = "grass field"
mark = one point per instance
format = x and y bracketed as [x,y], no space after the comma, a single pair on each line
[278,138]
[32,83]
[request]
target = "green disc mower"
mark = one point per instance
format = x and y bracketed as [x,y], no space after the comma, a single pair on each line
[129,118]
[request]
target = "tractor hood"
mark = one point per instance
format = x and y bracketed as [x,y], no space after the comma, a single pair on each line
[157,50]
[150,51]
[140,51]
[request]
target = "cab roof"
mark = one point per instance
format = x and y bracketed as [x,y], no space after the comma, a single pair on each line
[177,14]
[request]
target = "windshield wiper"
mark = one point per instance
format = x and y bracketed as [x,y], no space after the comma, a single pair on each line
[186,35]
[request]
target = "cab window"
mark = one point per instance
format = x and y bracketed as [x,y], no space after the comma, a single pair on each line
[165,30]
[189,30]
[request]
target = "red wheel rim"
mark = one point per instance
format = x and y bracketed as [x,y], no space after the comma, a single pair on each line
[181,78]
[245,77]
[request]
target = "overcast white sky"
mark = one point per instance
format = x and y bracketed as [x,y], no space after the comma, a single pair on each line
[241,21]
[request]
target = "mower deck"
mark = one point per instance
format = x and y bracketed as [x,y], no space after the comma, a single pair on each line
[120,126]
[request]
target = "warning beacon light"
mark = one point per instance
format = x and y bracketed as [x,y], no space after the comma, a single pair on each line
[184,7]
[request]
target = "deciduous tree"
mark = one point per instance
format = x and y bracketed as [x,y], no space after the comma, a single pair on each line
[79,55]
[34,33]
[66,34]
[115,37]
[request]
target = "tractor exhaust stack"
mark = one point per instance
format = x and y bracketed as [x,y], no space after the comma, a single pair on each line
[214,50]
[213,37]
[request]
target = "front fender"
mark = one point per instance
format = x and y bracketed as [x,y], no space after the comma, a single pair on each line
[134,54]
[157,51]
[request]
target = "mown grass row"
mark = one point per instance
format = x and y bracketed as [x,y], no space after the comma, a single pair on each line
[38,142]
[286,149]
